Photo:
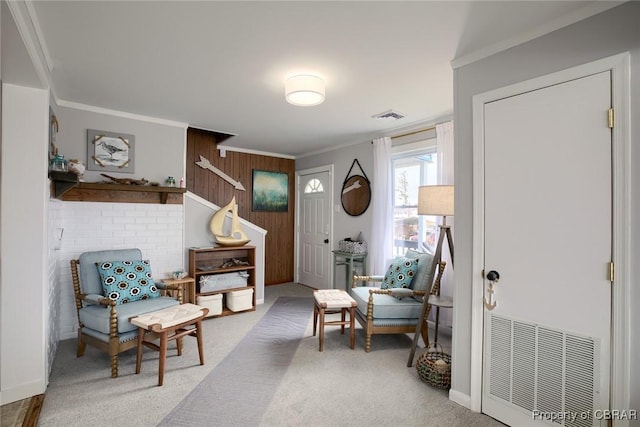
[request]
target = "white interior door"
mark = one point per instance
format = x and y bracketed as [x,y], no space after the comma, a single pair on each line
[314,229]
[548,233]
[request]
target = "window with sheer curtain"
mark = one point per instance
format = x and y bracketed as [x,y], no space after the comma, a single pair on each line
[410,170]
[414,159]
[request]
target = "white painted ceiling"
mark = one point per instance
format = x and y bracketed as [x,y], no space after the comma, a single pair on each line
[222,65]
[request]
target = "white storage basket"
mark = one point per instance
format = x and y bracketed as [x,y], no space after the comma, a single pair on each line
[212,302]
[240,300]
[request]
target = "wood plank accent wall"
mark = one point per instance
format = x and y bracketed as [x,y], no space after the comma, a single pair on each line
[279,241]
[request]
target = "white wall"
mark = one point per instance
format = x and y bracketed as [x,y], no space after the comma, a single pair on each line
[53,297]
[160,146]
[157,230]
[345,225]
[23,243]
[598,37]
[54,290]
[198,212]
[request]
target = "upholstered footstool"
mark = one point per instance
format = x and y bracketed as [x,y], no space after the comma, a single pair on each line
[171,323]
[331,301]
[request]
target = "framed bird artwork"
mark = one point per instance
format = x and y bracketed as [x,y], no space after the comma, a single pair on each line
[110,151]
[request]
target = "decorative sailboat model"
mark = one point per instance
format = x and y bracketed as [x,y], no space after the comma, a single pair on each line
[236,237]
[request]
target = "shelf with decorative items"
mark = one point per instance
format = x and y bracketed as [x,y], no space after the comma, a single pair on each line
[67,187]
[122,193]
[61,182]
[225,278]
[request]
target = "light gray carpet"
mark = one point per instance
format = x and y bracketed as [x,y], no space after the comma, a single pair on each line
[239,390]
[335,388]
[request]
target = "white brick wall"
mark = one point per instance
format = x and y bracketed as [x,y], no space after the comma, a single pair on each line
[157,230]
[55,210]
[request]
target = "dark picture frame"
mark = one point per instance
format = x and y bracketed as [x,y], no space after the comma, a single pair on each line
[270,191]
[110,151]
[356,191]
[356,195]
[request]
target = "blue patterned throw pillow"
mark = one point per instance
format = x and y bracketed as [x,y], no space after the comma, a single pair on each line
[400,273]
[127,281]
[424,268]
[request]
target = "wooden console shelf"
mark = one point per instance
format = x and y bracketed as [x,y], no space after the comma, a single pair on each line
[118,193]
[208,261]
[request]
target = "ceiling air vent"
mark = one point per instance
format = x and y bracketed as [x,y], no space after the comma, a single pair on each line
[389,115]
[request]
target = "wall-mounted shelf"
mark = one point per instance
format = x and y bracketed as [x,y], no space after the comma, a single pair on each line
[62,182]
[116,193]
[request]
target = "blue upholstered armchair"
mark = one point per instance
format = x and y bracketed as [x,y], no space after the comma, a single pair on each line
[394,310]
[110,287]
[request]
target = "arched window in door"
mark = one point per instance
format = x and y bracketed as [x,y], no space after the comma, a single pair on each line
[314,186]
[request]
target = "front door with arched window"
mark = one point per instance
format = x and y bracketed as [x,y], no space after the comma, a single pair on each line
[314,229]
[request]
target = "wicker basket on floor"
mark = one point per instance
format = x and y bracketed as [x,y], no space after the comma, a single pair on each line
[434,367]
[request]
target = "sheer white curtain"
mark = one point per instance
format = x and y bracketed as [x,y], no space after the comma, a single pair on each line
[444,140]
[380,247]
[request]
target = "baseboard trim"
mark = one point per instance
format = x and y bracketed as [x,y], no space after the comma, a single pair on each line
[23,391]
[460,398]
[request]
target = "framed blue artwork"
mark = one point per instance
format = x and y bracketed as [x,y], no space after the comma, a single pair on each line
[270,191]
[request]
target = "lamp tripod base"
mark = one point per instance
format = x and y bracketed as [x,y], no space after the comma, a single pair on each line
[445,230]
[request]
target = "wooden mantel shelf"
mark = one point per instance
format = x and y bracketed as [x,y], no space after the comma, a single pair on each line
[119,193]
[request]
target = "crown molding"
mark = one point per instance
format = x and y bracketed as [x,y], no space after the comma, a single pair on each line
[415,126]
[116,113]
[28,27]
[259,153]
[548,27]
[33,17]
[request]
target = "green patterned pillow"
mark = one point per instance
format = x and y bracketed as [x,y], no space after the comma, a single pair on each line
[127,281]
[400,273]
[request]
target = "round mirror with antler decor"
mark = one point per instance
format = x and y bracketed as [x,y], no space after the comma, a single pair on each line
[356,192]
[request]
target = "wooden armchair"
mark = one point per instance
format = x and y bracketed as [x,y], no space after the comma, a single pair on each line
[394,311]
[102,321]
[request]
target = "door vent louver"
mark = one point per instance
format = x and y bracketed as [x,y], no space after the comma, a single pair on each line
[538,368]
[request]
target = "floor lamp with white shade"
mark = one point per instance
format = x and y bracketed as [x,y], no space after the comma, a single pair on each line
[436,200]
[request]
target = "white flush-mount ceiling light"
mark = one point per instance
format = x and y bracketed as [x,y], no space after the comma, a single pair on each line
[305,90]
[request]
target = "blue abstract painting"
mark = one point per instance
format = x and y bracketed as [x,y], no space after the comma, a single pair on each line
[270,191]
